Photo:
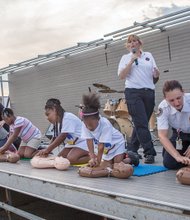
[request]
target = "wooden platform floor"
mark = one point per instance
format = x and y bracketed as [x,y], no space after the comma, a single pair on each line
[156,193]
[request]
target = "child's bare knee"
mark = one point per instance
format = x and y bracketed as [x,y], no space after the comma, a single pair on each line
[72,158]
[21,154]
[27,154]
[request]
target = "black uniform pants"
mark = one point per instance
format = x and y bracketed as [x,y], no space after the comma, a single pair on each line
[140,103]
[168,160]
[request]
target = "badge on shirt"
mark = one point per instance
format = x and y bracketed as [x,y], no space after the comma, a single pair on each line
[147,58]
[107,148]
[179,145]
[159,112]
[70,142]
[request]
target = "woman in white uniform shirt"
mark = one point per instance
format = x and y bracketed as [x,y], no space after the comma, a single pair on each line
[138,69]
[174,112]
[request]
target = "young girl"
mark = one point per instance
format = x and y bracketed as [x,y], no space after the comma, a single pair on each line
[97,129]
[67,129]
[23,128]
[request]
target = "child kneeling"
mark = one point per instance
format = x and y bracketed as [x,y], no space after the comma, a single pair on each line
[111,144]
[23,128]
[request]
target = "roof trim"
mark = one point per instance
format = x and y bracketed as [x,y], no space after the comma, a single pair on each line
[157,24]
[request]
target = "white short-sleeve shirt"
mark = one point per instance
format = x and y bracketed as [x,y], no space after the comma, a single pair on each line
[105,133]
[168,116]
[72,125]
[141,75]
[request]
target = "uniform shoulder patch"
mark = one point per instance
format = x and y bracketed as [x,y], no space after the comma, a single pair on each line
[159,112]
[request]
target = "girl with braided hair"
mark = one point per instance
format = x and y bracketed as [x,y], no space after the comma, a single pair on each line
[98,130]
[67,129]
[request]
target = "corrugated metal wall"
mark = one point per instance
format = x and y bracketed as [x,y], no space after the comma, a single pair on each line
[67,79]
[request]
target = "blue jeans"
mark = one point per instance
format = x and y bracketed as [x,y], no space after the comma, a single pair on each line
[140,103]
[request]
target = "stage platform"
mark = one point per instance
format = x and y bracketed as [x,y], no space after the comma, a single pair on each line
[154,197]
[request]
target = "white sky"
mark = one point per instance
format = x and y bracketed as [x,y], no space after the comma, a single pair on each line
[33,27]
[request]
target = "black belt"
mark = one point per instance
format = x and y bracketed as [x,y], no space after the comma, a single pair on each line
[181,132]
[141,89]
[183,136]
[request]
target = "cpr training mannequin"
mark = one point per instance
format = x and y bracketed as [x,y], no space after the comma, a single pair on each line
[183,175]
[10,157]
[109,160]
[59,163]
[118,170]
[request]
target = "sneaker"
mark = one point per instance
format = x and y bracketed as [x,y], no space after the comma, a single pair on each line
[134,157]
[149,159]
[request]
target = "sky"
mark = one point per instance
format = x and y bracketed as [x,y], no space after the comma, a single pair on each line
[33,27]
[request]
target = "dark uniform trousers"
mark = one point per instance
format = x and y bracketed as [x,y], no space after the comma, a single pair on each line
[168,160]
[140,103]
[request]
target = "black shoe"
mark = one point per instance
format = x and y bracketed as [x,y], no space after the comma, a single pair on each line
[149,159]
[140,156]
[134,157]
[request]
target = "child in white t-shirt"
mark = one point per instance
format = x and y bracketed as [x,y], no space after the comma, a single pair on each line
[97,129]
[67,130]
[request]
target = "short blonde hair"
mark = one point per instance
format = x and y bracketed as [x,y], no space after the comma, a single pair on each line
[133,37]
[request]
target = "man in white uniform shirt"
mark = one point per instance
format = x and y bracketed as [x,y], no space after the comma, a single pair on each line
[174,112]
